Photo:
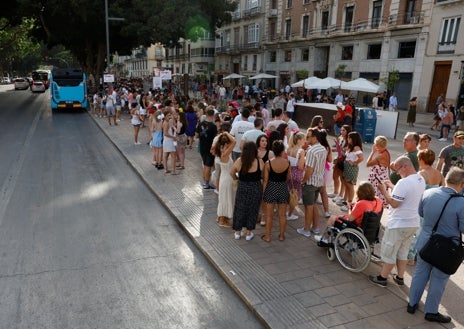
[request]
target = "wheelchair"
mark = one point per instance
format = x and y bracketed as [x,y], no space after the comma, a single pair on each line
[353,246]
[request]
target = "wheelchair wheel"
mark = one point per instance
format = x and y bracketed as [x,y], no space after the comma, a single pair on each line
[352,250]
[331,254]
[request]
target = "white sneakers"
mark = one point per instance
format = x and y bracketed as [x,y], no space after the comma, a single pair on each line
[292,217]
[443,139]
[327,214]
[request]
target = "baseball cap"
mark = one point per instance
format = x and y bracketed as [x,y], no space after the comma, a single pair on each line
[459,133]
[340,105]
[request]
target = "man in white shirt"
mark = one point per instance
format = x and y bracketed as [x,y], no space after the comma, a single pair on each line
[238,129]
[291,105]
[393,103]
[291,123]
[375,102]
[253,134]
[403,220]
[339,98]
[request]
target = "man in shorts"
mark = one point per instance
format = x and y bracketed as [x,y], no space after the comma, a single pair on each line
[205,133]
[403,220]
[313,180]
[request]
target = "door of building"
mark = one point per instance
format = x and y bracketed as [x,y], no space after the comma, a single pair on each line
[439,83]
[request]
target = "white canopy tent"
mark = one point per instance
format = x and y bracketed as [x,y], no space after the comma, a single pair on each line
[263,76]
[361,84]
[233,76]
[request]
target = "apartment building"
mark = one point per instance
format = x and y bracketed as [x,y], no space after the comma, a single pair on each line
[314,37]
[293,39]
[443,69]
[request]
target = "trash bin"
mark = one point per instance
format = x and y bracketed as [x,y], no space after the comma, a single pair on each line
[366,120]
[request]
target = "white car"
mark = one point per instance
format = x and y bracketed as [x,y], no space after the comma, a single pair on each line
[38,86]
[21,83]
[6,80]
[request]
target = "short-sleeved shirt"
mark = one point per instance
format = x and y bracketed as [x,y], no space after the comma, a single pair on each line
[315,158]
[362,206]
[408,191]
[252,135]
[206,130]
[238,130]
[452,156]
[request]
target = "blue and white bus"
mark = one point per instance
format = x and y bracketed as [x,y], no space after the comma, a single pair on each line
[68,89]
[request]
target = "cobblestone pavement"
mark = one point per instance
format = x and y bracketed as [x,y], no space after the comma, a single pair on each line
[289,284]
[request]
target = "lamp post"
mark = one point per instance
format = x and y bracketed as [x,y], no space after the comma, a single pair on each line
[107,19]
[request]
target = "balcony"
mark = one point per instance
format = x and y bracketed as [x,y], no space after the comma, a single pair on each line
[406,19]
[237,48]
[236,15]
[252,12]
[273,12]
[446,47]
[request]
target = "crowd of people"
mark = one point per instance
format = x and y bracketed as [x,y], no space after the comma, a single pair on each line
[254,156]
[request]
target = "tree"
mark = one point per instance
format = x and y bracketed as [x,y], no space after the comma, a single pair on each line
[79,25]
[16,45]
[391,80]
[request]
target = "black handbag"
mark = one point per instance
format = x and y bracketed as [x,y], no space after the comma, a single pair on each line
[442,252]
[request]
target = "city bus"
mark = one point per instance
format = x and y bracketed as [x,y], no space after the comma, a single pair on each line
[68,89]
[42,75]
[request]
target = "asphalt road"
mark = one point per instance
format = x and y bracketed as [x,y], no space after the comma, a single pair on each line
[84,243]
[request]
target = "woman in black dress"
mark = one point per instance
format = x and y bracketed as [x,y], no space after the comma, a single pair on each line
[276,175]
[248,170]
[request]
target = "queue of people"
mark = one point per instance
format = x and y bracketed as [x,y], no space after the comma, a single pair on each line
[253,166]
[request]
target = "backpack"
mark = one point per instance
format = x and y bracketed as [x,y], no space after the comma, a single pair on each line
[204,129]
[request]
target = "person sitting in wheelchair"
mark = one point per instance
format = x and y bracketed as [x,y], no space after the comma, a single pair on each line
[366,201]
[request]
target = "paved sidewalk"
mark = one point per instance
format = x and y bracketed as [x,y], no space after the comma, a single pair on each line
[289,284]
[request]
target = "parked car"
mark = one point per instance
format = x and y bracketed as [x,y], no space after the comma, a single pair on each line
[6,80]
[21,83]
[38,86]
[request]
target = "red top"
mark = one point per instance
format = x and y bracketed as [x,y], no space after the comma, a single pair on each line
[364,205]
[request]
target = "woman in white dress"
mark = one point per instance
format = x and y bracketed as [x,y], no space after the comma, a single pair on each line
[223,150]
[169,147]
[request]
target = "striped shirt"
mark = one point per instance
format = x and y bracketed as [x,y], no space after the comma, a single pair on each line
[315,158]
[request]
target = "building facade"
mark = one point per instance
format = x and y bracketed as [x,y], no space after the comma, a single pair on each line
[348,39]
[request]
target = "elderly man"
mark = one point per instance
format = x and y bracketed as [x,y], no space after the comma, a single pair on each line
[451,225]
[403,220]
[410,142]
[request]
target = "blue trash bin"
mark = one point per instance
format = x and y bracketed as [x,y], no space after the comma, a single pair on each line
[366,121]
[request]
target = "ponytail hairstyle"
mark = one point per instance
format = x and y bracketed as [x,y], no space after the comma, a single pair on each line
[294,138]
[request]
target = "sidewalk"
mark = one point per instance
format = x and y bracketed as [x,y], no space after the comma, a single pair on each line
[288,284]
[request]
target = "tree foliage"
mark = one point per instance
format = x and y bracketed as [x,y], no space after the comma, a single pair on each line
[16,47]
[79,25]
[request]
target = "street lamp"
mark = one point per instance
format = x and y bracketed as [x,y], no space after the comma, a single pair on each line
[107,19]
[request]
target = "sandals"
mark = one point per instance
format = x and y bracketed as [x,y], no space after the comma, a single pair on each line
[263,237]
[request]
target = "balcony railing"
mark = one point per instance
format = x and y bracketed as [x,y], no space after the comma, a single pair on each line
[237,48]
[252,12]
[446,47]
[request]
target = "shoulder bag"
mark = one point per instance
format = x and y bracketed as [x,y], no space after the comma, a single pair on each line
[442,252]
